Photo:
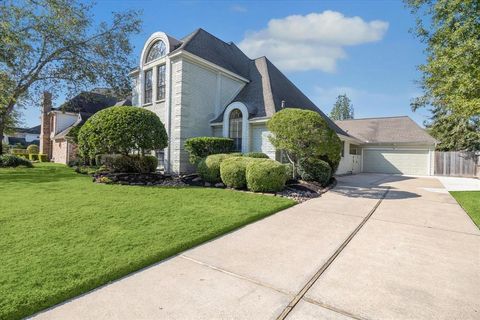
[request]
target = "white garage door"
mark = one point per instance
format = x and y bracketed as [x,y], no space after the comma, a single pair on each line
[414,162]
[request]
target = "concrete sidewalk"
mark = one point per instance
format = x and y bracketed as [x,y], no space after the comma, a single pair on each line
[418,256]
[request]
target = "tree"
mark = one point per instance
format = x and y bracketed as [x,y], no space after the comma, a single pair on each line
[49,44]
[451,76]
[342,109]
[121,130]
[304,134]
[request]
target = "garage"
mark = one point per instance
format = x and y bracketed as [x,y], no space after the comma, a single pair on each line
[412,162]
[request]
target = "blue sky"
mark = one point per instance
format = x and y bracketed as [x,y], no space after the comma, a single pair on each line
[361,48]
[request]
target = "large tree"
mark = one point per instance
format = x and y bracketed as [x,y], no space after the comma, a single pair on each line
[55,44]
[450,78]
[342,109]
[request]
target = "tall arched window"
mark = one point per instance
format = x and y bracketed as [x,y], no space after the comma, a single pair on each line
[156,51]
[235,128]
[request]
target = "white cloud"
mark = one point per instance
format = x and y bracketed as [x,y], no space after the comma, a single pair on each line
[314,41]
[238,8]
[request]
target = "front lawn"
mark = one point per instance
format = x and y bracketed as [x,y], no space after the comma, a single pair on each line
[62,235]
[470,202]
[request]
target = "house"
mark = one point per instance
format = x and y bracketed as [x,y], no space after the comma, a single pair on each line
[202,86]
[23,136]
[56,123]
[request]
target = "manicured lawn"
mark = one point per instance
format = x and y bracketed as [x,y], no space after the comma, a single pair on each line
[62,235]
[470,201]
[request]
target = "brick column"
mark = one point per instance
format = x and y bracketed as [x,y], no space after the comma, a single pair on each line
[45,145]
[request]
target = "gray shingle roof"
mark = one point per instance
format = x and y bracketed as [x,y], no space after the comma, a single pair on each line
[268,86]
[386,130]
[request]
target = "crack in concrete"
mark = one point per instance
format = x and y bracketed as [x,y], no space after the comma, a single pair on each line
[325,266]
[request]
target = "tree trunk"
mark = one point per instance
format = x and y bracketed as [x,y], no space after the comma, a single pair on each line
[1,136]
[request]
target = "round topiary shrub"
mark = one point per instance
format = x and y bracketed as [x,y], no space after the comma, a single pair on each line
[233,172]
[121,130]
[265,175]
[256,155]
[209,167]
[32,149]
[315,170]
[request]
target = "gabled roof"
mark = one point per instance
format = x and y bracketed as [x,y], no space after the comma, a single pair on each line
[400,129]
[268,86]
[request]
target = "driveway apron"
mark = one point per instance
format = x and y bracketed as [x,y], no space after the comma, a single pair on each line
[375,247]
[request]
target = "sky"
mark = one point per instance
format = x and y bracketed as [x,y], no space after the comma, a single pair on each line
[362,48]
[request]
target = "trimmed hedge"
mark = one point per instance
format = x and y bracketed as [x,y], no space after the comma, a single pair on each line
[43,157]
[131,164]
[256,155]
[10,160]
[315,170]
[265,175]
[32,149]
[233,171]
[19,152]
[209,167]
[33,157]
[201,147]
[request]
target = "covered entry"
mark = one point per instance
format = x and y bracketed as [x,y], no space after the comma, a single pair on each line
[414,162]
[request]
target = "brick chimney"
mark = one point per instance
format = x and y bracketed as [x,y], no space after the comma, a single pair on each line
[45,145]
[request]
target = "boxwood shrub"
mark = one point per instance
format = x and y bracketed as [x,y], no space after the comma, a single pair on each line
[233,171]
[33,157]
[315,170]
[32,149]
[201,147]
[43,157]
[10,160]
[209,167]
[131,163]
[256,155]
[265,175]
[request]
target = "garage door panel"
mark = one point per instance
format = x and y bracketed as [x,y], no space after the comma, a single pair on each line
[413,162]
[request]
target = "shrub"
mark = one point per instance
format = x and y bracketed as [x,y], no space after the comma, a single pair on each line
[305,134]
[33,157]
[265,175]
[288,171]
[201,147]
[121,130]
[233,170]
[315,170]
[10,160]
[19,152]
[32,149]
[131,164]
[42,157]
[256,155]
[209,167]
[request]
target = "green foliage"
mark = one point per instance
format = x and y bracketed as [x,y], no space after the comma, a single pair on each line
[32,149]
[43,157]
[201,147]
[315,170]
[121,130]
[256,155]
[233,171]
[304,134]
[33,157]
[19,152]
[289,174]
[72,135]
[209,167]
[451,76]
[265,175]
[114,231]
[342,109]
[131,163]
[10,160]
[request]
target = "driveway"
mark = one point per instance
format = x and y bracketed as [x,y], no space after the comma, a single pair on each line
[375,247]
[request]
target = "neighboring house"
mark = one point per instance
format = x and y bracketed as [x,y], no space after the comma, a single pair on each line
[23,136]
[57,122]
[203,86]
[387,145]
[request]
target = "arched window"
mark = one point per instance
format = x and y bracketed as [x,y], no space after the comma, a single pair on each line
[156,51]
[235,128]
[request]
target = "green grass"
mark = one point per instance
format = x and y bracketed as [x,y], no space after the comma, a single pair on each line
[470,202]
[62,235]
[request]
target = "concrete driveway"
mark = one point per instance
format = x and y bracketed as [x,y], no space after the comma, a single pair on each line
[375,247]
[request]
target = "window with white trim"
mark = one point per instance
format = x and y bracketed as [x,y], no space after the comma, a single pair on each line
[235,129]
[148,87]
[156,51]
[161,82]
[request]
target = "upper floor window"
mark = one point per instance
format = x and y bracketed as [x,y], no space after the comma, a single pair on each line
[235,128]
[161,82]
[156,51]
[148,87]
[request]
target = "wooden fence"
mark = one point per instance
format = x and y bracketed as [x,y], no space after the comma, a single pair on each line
[456,163]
